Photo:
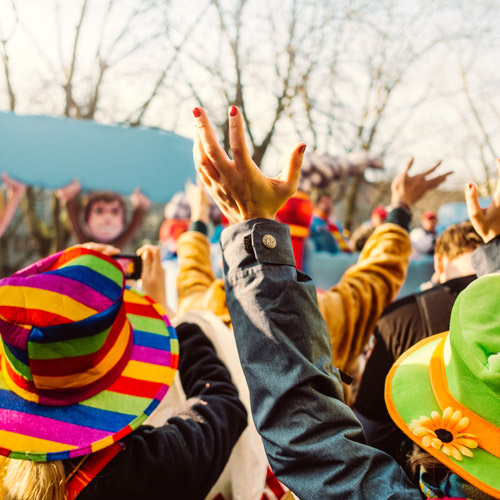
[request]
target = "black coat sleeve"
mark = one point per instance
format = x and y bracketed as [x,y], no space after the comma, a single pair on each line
[184,458]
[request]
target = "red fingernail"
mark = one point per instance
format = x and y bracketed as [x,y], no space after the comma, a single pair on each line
[196,112]
[233,111]
[468,185]
[302,149]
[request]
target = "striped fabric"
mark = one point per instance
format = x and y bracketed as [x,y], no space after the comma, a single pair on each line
[84,360]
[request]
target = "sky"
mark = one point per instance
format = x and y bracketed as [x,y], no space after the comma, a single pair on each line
[430,118]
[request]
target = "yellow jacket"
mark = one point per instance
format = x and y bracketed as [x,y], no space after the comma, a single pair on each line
[351,308]
[197,287]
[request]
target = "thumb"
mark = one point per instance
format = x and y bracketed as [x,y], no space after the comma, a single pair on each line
[473,208]
[291,172]
[496,193]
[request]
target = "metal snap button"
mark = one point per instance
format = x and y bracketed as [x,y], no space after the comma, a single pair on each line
[269,241]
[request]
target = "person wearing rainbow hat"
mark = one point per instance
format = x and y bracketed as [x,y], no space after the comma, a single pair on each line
[444,393]
[84,361]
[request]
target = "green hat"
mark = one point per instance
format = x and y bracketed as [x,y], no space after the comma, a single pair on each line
[444,392]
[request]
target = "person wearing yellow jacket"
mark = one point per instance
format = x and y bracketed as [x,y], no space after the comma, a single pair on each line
[351,307]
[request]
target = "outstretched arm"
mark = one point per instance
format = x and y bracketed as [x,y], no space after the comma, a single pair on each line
[486,221]
[352,307]
[69,196]
[313,441]
[141,204]
[153,276]
[15,191]
[197,286]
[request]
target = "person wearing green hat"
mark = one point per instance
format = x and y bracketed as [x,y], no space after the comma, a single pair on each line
[313,440]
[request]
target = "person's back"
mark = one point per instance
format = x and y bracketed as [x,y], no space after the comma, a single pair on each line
[407,321]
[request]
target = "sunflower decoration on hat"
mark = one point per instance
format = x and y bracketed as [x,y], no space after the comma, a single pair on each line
[84,359]
[444,392]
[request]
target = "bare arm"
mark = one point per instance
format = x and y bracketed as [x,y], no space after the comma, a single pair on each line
[15,191]
[141,204]
[69,196]
[352,307]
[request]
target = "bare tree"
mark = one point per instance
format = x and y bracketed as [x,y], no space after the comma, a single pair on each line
[6,34]
[84,67]
[258,64]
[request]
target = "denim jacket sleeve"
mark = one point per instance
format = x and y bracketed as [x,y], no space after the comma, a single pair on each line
[486,258]
[314,443]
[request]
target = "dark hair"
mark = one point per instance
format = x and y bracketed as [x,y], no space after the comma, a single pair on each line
[106,196]
[420,458]
[457,240]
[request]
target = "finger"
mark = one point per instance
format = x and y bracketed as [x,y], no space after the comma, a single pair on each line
[476,214]
[290,174]
[408,165]
[496,194]
[202,161]
[208,139]
[439,179]
[430,170]
[101,247]
[204,178]
[145,247]
[147,265]
[237,141]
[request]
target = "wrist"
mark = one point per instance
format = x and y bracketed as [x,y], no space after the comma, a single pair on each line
[400,216]
[195,217]
[258,215]
[401,204]
[200,226]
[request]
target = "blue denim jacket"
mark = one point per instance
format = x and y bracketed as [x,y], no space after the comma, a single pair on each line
[314,442]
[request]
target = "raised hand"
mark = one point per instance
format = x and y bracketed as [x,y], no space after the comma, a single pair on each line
[153,275]
[139,199]
[69,192]
[199,202]
[238,186]
[409,189]
[15,188]
[486,221]
[15,191]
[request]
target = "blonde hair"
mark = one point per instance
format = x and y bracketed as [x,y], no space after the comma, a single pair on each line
[25,480]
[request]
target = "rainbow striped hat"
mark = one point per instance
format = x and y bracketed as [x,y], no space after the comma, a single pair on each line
[84,360]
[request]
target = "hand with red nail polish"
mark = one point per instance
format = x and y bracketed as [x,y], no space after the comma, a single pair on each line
[486,221]
[238,186]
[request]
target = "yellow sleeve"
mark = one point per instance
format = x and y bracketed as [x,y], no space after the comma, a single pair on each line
[197,286]
[352,307]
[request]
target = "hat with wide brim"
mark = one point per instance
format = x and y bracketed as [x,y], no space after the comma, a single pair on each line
[443,393]
[84,360]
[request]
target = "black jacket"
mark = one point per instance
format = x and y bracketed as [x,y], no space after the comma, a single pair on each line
[183,459]
[402,324]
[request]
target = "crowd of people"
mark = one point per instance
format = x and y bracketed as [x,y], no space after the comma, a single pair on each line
[256,385]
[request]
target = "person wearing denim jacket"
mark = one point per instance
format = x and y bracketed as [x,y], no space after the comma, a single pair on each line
[314,442]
